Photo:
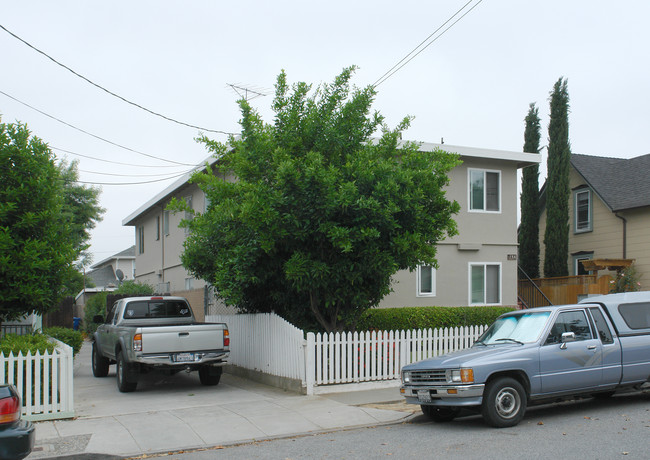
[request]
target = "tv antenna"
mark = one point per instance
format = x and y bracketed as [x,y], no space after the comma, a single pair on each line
[248,94]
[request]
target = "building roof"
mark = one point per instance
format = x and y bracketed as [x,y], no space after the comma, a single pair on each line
[520,158]
[621,183]
[128,253]
[103,277]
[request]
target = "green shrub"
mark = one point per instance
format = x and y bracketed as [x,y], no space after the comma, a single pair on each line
[12,343]
[388,319]
[134,288]
[68,336]
[96,305]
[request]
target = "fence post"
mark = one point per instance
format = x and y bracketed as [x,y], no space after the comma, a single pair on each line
[310,362]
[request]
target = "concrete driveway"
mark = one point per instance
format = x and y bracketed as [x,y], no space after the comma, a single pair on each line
[170,413]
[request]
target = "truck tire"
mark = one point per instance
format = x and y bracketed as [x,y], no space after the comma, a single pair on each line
[440,414]
[100,364]
[122,371]
[504,402]
[210,375]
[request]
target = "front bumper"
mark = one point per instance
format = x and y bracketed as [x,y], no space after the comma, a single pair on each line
[444,395]
[16,440]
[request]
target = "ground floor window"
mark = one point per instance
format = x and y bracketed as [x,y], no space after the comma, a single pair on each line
[485,283]
[426,281]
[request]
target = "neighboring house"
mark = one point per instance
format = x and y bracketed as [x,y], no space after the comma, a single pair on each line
[476,267]
[609,212]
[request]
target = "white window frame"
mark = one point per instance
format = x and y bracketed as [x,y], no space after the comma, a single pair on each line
[576,262]
[189,284]
[419,292]
[469,190]
[166,223]
[140,235]
[589,226]
[469,283]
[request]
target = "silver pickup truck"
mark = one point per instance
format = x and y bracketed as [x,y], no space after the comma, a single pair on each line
[140,334]
[594,348]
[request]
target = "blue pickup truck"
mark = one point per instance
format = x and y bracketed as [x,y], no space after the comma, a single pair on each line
[595,348]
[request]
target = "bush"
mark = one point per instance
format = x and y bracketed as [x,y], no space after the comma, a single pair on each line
[96,305]
[68,336]
[388,319]
[133,288]
[12,343]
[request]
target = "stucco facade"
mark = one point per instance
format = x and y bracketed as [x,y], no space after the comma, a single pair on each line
[484,251]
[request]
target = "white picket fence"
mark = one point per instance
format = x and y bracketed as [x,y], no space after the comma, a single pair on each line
[44,382]
[269,344]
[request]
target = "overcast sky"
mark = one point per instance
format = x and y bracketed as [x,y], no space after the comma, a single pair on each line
[472,86]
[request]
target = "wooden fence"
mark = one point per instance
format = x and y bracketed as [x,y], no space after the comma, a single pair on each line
[563,290]
[269,344]
[44,382]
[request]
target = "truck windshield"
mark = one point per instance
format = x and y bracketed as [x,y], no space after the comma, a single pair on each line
[157,309]
[520,328]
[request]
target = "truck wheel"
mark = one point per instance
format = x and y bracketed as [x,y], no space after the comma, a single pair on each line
[504,403]
[100,364]
[210,375]
[440,414]
[123,383]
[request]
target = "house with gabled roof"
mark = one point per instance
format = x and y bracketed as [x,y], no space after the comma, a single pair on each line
[609,211]
[476,267]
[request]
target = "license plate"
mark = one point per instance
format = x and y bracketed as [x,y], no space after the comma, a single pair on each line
[184,357]
[424,396]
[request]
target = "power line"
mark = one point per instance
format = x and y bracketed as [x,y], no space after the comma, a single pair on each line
[93,135]
[167,175]
[111,161]
[129,183]
[110,92]
[406,59]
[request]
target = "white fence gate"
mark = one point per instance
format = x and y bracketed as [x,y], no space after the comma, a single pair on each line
[267,343]
[44,382]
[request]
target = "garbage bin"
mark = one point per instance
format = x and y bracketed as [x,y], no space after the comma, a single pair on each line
[75,323]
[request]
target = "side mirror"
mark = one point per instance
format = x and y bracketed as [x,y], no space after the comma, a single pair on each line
[98,319]
[568,337]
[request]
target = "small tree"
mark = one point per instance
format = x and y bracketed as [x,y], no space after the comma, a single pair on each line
[529,227]
[315,216]
[556,234]
[36,251]
[134,288]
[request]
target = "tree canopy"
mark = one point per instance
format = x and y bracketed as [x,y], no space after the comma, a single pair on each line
[309,216]
[529,228]
[36,248]
[556,234]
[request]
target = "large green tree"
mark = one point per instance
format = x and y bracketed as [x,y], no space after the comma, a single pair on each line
[309,216]
[529,227]
[36,250]
[556,234]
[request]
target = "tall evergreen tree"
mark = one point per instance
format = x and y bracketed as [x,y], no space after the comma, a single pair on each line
[556,235]
[529,228]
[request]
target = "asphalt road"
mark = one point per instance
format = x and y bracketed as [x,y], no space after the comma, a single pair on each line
[585,429]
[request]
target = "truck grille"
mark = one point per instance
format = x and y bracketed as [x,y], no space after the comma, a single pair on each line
[430,376]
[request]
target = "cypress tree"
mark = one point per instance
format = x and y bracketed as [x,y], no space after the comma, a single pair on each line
[529,227]
[556,235]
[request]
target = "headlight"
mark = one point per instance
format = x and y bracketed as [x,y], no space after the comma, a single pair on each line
[465,375]
[406,377]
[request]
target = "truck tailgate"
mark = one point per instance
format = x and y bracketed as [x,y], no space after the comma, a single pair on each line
[174,339]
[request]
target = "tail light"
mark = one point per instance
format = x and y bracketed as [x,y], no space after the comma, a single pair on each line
[9,409]
[137,342]
[226,338]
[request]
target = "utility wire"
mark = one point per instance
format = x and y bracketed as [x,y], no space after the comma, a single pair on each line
[164,176]
[111,161]
[406,59]
[108,91]
[94,135]
[129,183]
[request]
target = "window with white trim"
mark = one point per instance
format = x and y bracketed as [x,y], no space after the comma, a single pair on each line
[166,223]
[582,211]
[485,283]
[426,281]
[140,232]
[189,284]
[484,190]
[578,268]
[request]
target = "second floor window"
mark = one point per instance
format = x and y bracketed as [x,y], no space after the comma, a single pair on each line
[188,214]
[166,223]
[484,190]
[582,210]
[426,281]
[141,239]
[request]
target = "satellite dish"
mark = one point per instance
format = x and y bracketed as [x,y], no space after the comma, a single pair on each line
[120,274]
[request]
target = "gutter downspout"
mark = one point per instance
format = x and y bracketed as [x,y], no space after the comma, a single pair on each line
[624,234]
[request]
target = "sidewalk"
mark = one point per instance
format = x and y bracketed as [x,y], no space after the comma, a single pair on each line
[170,413]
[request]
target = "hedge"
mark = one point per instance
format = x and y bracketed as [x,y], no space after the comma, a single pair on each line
[404,318]
[68,336]
[12,343]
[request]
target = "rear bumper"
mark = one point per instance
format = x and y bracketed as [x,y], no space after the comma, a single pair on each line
[215,358]
[16,440]
[444,395]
